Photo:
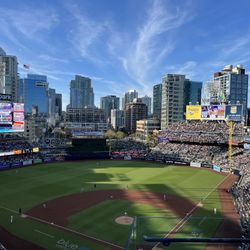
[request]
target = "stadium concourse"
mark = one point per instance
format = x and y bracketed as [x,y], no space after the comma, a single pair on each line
[199,144]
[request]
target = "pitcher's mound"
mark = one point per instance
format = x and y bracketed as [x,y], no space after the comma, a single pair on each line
[124,220]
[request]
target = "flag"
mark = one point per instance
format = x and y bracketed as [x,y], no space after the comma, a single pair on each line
[26,66]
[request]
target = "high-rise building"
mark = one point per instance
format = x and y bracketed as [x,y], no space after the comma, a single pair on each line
[2,78]
[59,105]
[134,111]
[230,85]
[11,76]
[123,103]
[117,118]
[109,102]
[173,99]
[192,92]
[33,91]
[129,97]
[157,92]
[248,117]
[147,100]
[177,92]
[2,52]
[54,106]
[81,92]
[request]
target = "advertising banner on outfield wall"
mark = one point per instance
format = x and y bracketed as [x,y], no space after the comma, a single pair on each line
[213,112]
[28,162]
[4,165]
[216,168]
[48,159]
[181,163]
[127,158]
[234,112]
[37,161]
[195,164]
[16,164]
[193,112]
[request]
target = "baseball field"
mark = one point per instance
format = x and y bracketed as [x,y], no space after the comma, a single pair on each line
[98,205]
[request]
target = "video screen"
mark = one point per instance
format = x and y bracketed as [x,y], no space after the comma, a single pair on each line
[213,112]
[11,117]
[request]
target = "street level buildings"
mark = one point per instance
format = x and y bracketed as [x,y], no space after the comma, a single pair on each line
[85,115]
[146,127]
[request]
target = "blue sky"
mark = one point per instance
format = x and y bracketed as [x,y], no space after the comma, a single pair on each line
[124,45]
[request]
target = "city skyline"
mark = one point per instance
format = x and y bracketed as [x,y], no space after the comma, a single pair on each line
[125,45]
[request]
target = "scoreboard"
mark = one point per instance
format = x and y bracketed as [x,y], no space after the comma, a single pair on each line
[11,117]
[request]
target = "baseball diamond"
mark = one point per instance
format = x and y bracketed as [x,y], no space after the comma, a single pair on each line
[77,204]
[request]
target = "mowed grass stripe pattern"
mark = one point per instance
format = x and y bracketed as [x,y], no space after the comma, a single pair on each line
[103,217]
[27,187]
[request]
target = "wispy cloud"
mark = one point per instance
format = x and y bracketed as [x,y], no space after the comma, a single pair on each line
[235,46]
[189,69]
[27,21]
[86,34]
[148,50]
[52,59]
[234,50]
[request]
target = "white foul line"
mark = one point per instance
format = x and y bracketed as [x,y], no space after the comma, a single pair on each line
[75,232]
[177,227]
[64,228]
[203,219]
[8,209]
[48,235]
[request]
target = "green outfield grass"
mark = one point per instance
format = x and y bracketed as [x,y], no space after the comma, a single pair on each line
[27,187]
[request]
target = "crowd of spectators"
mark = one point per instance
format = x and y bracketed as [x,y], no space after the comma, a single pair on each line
[8,160]
[127,147]
[9,145]
[202,132]
[15,149]
[208,154]
[241,193]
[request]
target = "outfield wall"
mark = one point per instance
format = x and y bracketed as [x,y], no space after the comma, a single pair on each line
[6,165]
[105,156]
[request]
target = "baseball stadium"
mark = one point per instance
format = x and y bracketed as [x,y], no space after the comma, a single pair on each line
[186,188]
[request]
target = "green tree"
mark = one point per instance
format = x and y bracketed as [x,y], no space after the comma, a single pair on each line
[110,134]
[120,135]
